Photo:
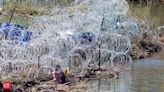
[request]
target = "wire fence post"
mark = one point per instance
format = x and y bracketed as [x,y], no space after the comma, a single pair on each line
[10,68]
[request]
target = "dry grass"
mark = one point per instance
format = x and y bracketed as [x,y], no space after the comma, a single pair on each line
[16,19]
[141,12]
[22,8]
[31,8]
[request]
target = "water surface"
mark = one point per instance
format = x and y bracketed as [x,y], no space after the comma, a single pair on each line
[146,75]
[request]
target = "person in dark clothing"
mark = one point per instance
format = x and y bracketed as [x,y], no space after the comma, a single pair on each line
[1,86]
[59,75]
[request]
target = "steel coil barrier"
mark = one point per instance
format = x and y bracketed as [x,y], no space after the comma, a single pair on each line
[103,34]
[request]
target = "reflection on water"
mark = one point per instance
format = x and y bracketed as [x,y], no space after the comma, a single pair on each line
[146,76]
[110,85]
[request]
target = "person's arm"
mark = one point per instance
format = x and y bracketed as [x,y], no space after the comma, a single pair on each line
[1,86]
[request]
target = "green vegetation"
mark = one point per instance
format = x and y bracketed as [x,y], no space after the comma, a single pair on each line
[41,7]
[16,19]
[22,8]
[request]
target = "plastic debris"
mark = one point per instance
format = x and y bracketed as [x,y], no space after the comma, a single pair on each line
[101,35]
[16,33]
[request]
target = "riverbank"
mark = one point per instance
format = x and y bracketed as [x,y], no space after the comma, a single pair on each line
[149,41]
[146,49]
[73,84]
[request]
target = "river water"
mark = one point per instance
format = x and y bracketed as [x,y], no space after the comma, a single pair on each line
[146,75]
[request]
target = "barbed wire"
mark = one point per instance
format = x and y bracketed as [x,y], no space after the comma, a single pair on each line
[73,41]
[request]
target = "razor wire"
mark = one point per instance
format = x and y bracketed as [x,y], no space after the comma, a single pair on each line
[74,40]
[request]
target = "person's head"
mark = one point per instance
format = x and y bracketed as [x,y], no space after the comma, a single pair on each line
[57,67]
